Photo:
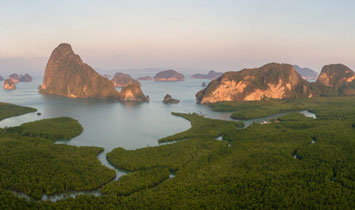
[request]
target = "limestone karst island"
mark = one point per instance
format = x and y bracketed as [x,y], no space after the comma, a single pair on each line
[177,105]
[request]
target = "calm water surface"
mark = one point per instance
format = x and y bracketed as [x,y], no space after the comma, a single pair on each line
[110,124]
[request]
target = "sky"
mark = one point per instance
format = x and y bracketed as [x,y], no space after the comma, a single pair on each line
[197,35]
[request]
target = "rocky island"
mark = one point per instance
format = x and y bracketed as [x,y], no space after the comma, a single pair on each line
[15,78]
[1,78]
[67,75]
[145,78]
[170,100]
[277,81]
[9,84]
[169,75]
[133,93]
[26,78]
[306,73]
[123,80]
[335,79]
[211,75]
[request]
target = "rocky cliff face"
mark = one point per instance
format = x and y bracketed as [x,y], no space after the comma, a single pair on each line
[67,75]
[133,92]
[211,75]
[9,84]
[169,75]
[335,76]
[25,78]
[15,78]
[335,79]
[123,80]
[277,81]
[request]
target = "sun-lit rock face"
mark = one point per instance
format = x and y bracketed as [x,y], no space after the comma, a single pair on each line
[134,93]
[122,80]
[335,79]
[14,77]
[9,84]
[67,75]
[277,81]
[335,75]
[168,75]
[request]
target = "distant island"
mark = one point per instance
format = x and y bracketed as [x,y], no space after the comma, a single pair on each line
[123,80]
[168,76]
[145,78]
[26,78]
[277,81]
[15,78]
[67,75]
[211,75]
[1,78]
[22,78]
[306,73]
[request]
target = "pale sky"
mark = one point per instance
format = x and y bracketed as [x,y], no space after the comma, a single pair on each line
[224,35]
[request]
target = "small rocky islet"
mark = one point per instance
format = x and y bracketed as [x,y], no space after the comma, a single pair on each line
[170,100]
[9,84]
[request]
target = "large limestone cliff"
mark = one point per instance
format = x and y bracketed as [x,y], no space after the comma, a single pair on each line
[277,81]
[335,79]
[67,75]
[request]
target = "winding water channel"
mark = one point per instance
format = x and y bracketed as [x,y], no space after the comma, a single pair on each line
[110,125]
[119,172]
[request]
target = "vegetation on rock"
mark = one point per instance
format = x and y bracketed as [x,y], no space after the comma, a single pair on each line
[169,100]
[123,80]
[277,81]
[168,75]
